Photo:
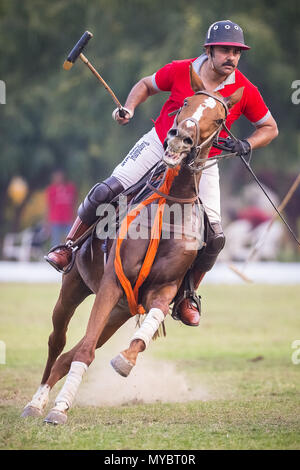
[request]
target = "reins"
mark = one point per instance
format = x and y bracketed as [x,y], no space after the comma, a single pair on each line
[198,147]
[220,143]
[193,165]
[190,165]
[161,195]
[172,198]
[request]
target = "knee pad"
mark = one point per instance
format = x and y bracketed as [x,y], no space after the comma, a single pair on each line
[101,193]
[215,241]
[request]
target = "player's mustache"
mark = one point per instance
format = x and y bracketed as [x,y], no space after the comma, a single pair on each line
[228,62]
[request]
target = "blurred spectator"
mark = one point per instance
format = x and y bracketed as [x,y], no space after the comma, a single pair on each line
[255,215]
[250,225]
[61,200]
[252,195]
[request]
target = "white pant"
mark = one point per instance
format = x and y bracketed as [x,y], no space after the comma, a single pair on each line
[147,152]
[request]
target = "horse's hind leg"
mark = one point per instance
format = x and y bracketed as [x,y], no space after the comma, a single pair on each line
[72,293]
[107,297]
[158,302]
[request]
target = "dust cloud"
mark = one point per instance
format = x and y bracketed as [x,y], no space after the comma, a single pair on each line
[151,380]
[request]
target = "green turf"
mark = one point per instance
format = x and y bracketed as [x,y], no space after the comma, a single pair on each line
[241,355]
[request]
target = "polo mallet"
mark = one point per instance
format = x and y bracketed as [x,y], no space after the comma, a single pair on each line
[77,52]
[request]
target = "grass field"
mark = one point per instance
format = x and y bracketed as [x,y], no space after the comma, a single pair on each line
[229,384]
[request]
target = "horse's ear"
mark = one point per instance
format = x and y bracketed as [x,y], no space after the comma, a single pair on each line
[235,97]
[196,82]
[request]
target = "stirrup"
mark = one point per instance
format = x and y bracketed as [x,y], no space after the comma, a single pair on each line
[68,268]
[187,294]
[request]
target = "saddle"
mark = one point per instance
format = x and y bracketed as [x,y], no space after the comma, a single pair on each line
[138,193]
[140,190]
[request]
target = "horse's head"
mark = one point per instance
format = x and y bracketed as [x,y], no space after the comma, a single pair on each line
[197,122]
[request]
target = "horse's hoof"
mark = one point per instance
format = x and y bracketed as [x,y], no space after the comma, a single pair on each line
[56,417]
[122,365]
[31,411]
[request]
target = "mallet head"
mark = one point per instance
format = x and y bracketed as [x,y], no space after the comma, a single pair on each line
[77,49]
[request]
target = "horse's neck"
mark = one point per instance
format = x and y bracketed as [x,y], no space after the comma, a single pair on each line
[186,184]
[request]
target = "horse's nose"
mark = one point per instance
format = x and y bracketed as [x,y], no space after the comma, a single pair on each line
[181,135]
[178,137]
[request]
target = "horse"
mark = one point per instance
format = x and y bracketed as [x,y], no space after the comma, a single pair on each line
[186,150]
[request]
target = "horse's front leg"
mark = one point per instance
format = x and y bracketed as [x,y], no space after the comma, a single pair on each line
[158,302]
[117,318]
[107,297]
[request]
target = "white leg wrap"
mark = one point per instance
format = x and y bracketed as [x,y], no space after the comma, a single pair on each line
[66,396]
[149,326]
[41,397]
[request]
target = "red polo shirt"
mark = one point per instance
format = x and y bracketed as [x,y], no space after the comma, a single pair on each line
[61,200]
[175,78]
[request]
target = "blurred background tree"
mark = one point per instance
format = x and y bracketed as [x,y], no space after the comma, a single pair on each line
[53,118]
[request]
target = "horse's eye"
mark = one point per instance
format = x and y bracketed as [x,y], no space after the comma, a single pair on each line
[188,141]
[172,132]
[219,121]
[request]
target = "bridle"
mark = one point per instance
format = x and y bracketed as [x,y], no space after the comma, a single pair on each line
[197,148]
[219,143]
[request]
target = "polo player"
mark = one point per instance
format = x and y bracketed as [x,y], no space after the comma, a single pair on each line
[217,68]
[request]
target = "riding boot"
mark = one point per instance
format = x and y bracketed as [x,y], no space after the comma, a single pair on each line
[189,308]
[102,193]
[187,305]
[61,257]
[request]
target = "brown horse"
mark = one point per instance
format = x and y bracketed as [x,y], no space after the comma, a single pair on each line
[187,146]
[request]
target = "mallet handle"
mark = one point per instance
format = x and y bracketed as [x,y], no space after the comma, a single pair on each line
[86,62]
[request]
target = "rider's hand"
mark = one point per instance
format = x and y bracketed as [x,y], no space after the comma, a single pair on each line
[240,147]
[122,120]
